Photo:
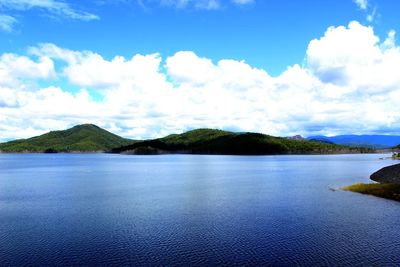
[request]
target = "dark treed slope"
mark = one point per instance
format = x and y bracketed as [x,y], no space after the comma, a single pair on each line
[208,141]
[81,138]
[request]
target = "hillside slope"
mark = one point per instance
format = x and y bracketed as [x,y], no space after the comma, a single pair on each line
[80,138]
[209,141]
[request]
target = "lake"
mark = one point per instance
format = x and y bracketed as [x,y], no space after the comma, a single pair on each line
[181,210]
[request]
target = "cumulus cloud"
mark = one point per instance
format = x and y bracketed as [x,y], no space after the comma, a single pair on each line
[17,70]
[354,58]
[187,67]
[349,84]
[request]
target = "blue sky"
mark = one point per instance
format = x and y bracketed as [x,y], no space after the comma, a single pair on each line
[267,34]
[48,45]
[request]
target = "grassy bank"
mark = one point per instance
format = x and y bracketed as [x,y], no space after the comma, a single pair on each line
[388,191]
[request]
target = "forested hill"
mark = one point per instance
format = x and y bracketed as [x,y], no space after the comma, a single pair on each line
[81,138]
[209,141]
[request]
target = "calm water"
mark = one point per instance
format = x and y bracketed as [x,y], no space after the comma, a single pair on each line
[101,209]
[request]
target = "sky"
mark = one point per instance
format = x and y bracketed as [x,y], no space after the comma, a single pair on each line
[148,68]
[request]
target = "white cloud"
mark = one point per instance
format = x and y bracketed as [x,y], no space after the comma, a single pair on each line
[187,67]
[17,70]
[243,2]
[349,84]
[371,11]
[342,48]
[362,4]
[57,8]
[354,58]
[196,4]
[94,71]
[389,41]
[372,15]
[7,23]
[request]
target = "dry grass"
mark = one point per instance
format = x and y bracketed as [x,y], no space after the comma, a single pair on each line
[388,191]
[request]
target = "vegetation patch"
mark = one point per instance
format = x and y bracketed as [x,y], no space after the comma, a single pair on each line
[388,191]
[396,155]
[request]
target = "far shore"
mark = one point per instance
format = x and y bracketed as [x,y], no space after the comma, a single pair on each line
[190,153]
[58,152]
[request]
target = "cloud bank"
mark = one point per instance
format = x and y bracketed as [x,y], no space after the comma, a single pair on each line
[349,84]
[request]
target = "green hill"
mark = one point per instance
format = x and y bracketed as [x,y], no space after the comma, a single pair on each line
[209,141]
[81,138]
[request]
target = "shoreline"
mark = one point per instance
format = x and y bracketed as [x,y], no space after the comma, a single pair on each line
[190,153]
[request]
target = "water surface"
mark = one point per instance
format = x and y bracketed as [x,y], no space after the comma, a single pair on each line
[100,209]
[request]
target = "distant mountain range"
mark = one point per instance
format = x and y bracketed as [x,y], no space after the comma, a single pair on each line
[91,138]
[372,141]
